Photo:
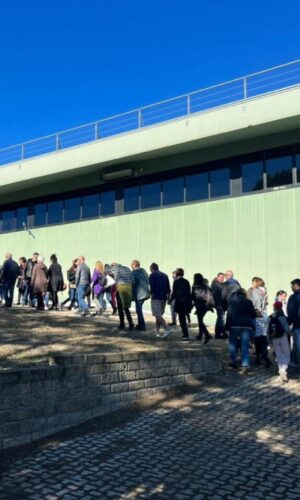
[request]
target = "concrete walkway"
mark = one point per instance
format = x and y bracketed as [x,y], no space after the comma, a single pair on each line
[236,437]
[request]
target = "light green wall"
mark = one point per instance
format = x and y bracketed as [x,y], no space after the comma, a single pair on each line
[253,235]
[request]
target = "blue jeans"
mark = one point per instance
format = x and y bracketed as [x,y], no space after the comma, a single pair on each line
[220,325]
[102,301]
[296,348]
[81,292]
[8,289]
[243,335]
[139,312]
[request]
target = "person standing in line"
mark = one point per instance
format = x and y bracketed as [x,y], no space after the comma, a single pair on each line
[10,272]
[172,304]
[281,296]
[39,282]
[293,310]
[257,293]
[229,289]
[124,281]
[110,289]
[82,282]
[203,301]
[71,276]
[278,330]
[240,323]
[216,288]
[28,296]
[56,281]
[98,288]
[140,292]
[181,295]
[160,292]
[21,283]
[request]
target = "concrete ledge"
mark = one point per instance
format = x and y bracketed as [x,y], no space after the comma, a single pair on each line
[37,402]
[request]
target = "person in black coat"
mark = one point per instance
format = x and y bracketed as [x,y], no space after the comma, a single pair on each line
[203,301]
[10,272]
[56,280]
[181,295]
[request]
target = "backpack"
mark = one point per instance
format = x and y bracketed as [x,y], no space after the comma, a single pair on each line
[276,329]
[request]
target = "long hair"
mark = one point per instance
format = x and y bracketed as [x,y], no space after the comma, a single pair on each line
[199,280]
[99,267]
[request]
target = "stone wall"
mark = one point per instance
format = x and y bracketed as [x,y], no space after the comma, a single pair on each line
[36,402]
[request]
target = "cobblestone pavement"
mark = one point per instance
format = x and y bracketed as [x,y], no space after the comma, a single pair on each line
[234,438]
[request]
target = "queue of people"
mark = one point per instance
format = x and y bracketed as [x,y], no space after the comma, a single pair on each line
[242,315]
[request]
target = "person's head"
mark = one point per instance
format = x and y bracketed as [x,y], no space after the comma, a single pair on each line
[229,274]
[154,267]
[99,266]
[277,306]
[295,284]
[34,257]
[199,279]
[40,258]
[8,256]
[257,282]
[241,292]
[179,272]
[53,258]
[135,264]
[220,277]
[22,261]
[80,260]
[281,295]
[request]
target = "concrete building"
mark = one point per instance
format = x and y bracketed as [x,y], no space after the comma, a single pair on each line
[207,181]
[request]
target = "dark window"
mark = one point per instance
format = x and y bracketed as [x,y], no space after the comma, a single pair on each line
[196,187]
[40,214]
[21,218]
[8,220]
[55,212]
[279,171]
[298,166]
[219,183]
[150,195]
[173,191]
[90,206]
[108,203]
[131,199]
[252,176]
[72,209]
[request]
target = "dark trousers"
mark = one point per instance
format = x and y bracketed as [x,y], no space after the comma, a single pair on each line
[139,312]
[40,301]
[220,326]
[121,311]
[54,299]
[261,348]
[8,289]
[202,328]
[183,324]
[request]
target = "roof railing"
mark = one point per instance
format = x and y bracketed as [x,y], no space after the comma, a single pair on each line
[222,94]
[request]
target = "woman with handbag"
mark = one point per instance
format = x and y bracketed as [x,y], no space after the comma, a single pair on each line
[98,279]
[203,301]
[71,275]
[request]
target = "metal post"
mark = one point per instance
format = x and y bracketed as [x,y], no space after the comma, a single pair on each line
[188,104]
[140,118]
[96,131]
[57,145]
[245,87]
[22,152]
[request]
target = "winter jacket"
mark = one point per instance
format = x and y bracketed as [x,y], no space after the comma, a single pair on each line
[97,282]
[181,294]
[216,288]
[241,313]
[83,275]
[10,271]
[293,310]
[202,297]
[159,286]
[229,288]
[39,279]
[56,280]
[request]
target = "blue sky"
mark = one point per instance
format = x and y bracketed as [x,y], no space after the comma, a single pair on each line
[68,62]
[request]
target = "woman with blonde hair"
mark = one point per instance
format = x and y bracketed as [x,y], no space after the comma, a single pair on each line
[98,287]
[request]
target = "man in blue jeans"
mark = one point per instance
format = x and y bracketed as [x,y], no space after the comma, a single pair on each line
[82,282]
[293,312]
[240,323]
[140,292]
[9,274]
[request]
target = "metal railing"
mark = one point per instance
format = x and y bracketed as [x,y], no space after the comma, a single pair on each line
[256,84]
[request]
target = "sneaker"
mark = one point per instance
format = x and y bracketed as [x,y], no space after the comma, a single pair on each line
[167,333]
[84,314]
[172,324]
[207,339]
[245,370]
[185,339]
[157,334]
[283,377]
[131,327]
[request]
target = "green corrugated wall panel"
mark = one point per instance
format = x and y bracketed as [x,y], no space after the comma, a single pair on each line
[255,234]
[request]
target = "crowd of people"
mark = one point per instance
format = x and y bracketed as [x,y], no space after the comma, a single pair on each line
[241,316]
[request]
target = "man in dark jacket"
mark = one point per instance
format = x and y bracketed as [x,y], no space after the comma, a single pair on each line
[216,288]
[160,291]
[10,272]
[28,295]
[140,292]
[293,311]
[240,322]
[230,288]
[181,294]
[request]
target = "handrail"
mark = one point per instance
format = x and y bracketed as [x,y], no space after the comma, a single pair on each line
[203,99]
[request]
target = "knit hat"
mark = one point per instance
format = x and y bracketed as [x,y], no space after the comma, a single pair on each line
[277,305]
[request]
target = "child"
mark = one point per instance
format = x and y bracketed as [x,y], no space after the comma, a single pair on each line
[278,330]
